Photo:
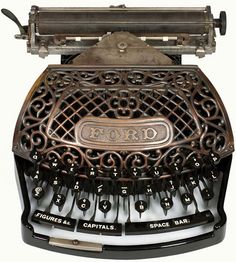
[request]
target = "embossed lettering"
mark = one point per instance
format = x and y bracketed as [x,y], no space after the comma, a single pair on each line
[130,134]
[95,132]
[123,134]
[149,133]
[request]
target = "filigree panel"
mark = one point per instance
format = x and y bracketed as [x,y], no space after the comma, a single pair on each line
[182,94]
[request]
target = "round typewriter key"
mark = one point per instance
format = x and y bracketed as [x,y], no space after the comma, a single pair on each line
[38,192]
[191,181]
[140,206]
[135,172]
[186,199]
[115,173]
[207,194]
[176,168]
[83,204]
[37,176]
[72,169]
[56,182]
[92,172]
[35,156]
[156,171]
[124,189]
[213,158]
[166,203]
[195,162]
[59,199]
[148,190]
[104,206]
[99,190]
[76,186]
[213,174]
[54,164]
[172,185]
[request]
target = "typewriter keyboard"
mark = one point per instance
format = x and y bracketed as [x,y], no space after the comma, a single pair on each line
[72,200]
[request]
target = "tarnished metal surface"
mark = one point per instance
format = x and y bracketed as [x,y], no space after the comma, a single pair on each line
[123,48]
[71,31]
[64,97]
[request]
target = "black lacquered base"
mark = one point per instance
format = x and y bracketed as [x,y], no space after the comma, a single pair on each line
[127,252]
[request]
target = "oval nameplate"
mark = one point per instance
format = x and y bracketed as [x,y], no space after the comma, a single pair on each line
[123,134]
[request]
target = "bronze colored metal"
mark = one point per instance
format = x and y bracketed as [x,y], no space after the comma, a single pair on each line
[65,96]
[123,134]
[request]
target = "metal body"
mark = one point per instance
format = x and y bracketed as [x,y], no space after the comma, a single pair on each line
[65,96]
[121,120]
[70,31]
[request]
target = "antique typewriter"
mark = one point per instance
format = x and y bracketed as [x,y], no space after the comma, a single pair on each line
[121,151]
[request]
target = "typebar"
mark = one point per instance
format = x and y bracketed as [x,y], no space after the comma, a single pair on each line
[161,226]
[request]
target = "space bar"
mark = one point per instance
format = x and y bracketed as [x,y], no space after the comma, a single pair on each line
[161,226]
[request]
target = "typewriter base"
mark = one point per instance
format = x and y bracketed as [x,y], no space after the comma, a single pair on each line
[128,252]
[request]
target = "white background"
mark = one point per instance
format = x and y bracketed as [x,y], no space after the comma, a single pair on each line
[19,70]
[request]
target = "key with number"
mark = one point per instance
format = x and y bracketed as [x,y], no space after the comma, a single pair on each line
[104,206]
[195,162]
[191,181]
[156,171]
[141,206]
[38,192]
[213,158]
[176,168]
[35,156]
[166,203]
[115,173]
[83,204]
[59,200]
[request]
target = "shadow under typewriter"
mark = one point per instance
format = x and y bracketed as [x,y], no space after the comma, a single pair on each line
[121,151]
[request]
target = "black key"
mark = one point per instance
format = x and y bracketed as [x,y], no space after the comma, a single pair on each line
[100,189]
[115,173]
[76,185]
[35,156]
[186,199]
[135,172]
[56,182]
[156,171]
[93,227]
[195,162]
[54,220]
[83,204]
[213,158]
[191,181]
[59,199]
[176,168]
[160,226]
[36,175]
[54,164]
[207,194]
[212,174]
[148,191]
[124,190]
[38,192]
[172,185]
[72,169]
[166,203]
[104,206]
[141,206]
[92,172]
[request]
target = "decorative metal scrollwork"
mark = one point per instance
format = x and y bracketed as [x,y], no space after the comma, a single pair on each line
[65,95]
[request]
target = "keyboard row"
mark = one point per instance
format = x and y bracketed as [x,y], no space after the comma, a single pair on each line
[116,229]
